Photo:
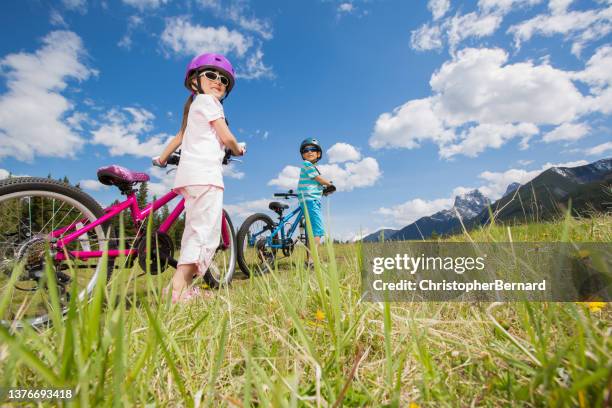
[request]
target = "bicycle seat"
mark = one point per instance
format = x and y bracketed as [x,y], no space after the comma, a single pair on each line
[277,207]
[117,175]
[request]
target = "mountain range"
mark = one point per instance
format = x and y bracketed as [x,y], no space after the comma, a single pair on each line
[584,189]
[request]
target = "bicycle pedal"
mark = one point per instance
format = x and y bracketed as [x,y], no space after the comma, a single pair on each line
[62,277]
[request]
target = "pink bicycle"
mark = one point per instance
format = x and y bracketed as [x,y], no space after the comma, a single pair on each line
[46,223]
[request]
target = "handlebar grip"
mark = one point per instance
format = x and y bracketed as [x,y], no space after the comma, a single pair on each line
[226,158]
[328,190]
[174,159]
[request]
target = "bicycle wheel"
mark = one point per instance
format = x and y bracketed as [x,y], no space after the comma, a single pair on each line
[254,254]
[221,270]
[31,209]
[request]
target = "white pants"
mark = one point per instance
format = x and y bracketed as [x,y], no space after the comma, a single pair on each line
[202,234]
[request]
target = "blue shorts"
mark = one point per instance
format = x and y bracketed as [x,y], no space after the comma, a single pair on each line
[316,218]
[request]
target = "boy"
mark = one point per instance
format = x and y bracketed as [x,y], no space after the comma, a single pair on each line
[310,187]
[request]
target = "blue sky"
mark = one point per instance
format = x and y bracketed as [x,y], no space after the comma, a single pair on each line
[414,102]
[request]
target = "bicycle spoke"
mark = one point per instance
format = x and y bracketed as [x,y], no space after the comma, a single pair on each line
[53,217]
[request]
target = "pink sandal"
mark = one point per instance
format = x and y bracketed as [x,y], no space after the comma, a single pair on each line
[188,294]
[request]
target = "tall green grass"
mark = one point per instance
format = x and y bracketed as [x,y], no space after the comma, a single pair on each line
[297,337]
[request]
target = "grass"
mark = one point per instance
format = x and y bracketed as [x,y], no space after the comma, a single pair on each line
[296,337]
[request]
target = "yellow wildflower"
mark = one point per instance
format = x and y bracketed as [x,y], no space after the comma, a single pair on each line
[595,306]
[413,405]
[319,315]
[583,253]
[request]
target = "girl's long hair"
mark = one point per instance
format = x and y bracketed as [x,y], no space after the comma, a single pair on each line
[188,102]
[186,113]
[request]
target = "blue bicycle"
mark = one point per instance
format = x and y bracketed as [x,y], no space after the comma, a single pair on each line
[261,240]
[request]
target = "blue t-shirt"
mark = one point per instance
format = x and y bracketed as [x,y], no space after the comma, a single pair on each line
[308,188]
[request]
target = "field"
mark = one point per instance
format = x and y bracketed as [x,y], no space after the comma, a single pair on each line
[299,337]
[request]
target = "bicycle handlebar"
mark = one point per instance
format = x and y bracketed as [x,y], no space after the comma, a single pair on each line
[286,195]
[326,191]
[175,158]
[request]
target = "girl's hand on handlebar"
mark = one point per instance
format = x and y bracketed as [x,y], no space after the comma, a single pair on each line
[157,162]
[243,149]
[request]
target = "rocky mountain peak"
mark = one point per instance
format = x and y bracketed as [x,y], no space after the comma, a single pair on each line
[511,188]
[470,204]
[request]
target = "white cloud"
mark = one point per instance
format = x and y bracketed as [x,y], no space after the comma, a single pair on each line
[479,86]
[456,28]
[351,175]
[599,149]
[438,8]
[558,6]
[126,41]
[77,119]
[341,152]
[568,132]
[478,138]
[254,67]
[244,209]
[93,185]
[56,19]
[461,27]
[410,124]
[288,178]
[236,12]
[497,182]
[580,26]
[480,101]
[597,72]
[185,38]
[33,108]
[599,76]
[5,173]
[345,8]
[161,182]
[504,6]
[75,5]
[412,210]
[231,172]
[346,177]
[122,135]
[425,38]
[143,5]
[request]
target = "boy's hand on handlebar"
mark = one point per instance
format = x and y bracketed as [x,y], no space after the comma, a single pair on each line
[329,189]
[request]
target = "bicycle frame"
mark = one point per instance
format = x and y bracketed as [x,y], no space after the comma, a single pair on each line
[298,213]
[138,216]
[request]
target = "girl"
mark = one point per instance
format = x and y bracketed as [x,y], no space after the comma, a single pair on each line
[203,137]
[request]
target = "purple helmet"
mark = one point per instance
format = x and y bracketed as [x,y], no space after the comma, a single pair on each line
[216,61]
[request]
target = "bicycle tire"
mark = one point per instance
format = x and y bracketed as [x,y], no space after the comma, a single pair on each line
[241,239]
[211,280]
[14,187]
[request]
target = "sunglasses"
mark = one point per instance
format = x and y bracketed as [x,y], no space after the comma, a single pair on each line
[215,76]
[310,149]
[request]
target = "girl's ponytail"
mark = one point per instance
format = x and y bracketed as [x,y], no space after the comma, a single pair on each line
[186,113]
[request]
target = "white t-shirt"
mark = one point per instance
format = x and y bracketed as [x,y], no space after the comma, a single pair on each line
[201,150]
